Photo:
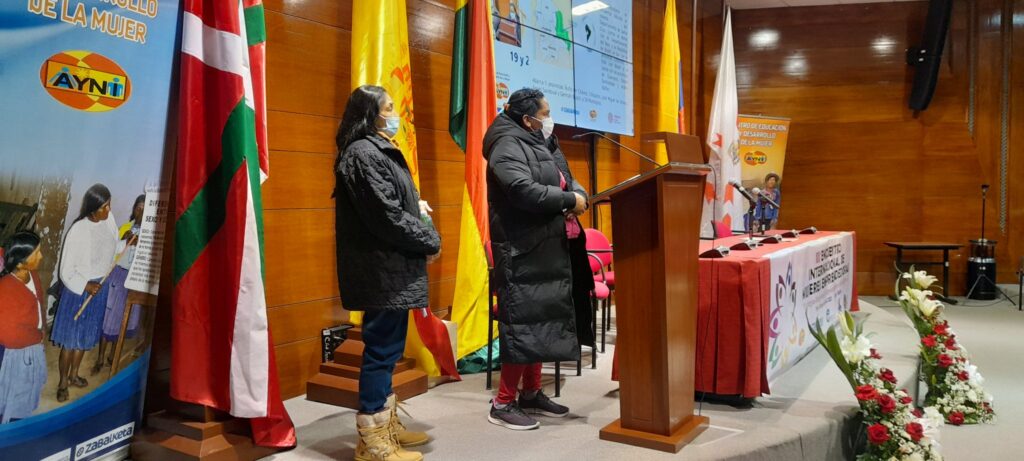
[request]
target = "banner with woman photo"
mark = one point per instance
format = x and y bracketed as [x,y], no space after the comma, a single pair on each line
[763,154]
[86,87]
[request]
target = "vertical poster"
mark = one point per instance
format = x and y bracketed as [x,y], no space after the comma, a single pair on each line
[86,86]
[763,154]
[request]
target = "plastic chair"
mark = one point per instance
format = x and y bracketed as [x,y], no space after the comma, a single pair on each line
[600,251]
[492,312]
[721,229]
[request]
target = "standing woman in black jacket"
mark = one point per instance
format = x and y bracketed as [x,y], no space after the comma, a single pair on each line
[533,216]
[384,244]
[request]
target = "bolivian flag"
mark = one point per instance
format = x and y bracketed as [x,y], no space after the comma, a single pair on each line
[473,106]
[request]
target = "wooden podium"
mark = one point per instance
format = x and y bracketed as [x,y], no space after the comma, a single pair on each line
[656,227]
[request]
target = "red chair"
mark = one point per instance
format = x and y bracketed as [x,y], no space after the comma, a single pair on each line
[492,312]
[600,251]
[722,230]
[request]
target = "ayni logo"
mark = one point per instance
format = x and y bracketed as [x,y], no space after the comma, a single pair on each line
[85,81]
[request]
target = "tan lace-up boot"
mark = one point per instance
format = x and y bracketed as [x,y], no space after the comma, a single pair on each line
[403,436]
[376,442]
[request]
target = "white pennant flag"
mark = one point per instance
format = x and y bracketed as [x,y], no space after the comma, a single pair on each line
[721,202]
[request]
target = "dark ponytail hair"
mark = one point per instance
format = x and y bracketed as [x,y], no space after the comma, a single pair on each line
[93,200]
[523,102]
[138,200]
[17,249]
[360,118]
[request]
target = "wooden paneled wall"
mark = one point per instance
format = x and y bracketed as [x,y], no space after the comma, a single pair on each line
[308,67]
[858,158]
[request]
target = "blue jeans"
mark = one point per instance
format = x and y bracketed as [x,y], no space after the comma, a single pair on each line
[384,337]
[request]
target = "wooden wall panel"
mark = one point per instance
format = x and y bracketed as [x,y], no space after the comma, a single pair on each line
[858,158]
[297,361]
[300,255]
[1015,238]
[314,192]
[295,322]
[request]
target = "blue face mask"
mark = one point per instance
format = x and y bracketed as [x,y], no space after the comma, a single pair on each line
[391,125]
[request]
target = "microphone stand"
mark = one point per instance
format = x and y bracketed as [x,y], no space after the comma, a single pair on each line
[631,150]
[592,151]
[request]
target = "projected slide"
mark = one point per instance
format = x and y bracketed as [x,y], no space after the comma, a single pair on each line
[582,62]
[604,92]
[608,30]
[533,48]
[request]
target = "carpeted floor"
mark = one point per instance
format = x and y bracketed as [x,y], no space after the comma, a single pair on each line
[804,418]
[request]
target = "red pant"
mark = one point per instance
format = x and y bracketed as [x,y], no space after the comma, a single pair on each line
[511,373]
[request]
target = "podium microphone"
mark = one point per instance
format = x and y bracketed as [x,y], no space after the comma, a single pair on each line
[742,190]
[634,152]
[763,196]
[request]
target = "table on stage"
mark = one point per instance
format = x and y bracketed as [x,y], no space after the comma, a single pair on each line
[754,306]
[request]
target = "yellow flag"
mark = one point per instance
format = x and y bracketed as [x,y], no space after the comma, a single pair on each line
[380,56]
[669,82]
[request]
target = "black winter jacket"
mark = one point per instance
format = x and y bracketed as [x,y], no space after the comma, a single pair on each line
[582,277]
[382,242]
[532,273]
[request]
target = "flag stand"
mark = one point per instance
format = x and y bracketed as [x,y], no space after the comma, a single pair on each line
[187,431]
[337,383]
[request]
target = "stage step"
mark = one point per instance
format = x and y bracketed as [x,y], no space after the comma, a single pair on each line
[344,392]
[349,371]
[338,381]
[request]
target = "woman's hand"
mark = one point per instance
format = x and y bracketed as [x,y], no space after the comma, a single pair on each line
[425,207]
[92,288]
[581,205]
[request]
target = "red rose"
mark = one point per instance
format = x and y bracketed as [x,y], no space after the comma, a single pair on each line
[875,354]
[866,393]
[887,376]
[886,404]
[951,344]
[963,376]
[941,329]
[955,418]
[945,361]
[878,434]
[906,400]
[915,431]
[918,413]
[929,341]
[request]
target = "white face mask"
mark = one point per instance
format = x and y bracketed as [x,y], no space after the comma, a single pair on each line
[547,126]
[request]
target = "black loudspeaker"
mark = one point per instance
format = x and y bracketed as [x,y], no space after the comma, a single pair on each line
[980,275]
[927,57]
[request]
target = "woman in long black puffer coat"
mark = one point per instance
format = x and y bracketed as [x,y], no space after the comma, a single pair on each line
[533,216]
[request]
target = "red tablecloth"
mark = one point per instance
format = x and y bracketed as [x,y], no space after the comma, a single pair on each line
[733,314]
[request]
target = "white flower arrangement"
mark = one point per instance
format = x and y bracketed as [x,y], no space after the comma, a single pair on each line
[954,384]
[895,430]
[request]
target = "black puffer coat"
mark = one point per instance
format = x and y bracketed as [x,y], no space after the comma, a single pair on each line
[532,273]
[382,242]
[582,277]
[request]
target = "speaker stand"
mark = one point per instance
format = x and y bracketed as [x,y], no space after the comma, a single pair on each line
[984,277]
